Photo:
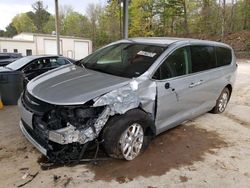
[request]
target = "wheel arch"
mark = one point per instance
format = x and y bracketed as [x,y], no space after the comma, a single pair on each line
[151,130]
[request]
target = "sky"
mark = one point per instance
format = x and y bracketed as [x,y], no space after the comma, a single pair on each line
[9,8]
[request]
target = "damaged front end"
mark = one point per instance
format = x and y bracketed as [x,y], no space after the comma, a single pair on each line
[60,132]
[66,131]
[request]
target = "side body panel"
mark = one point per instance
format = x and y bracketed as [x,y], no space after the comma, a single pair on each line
[190,95]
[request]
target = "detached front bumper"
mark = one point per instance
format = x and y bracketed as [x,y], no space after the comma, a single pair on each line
[32,140]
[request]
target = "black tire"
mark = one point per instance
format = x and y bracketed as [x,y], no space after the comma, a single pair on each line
[216,109]
[118,124]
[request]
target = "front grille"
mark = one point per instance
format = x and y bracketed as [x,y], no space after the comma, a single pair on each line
[37,136]
[35,105]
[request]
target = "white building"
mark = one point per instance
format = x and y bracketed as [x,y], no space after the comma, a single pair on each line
[45,44]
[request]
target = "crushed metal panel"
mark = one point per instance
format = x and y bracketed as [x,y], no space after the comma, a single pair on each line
[138,92]
[120,100]
[71,134]
[147,93]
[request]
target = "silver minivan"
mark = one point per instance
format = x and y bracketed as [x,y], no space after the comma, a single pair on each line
[124,94]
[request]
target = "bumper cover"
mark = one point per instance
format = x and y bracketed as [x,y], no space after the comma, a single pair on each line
[32,141]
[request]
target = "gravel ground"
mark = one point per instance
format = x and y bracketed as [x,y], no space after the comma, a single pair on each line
[209,151]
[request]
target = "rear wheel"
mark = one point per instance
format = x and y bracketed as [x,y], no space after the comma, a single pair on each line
[222,101]
[127,135]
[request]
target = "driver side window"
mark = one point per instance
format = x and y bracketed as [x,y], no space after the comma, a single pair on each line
[38,64]
[33,66]
[177,64]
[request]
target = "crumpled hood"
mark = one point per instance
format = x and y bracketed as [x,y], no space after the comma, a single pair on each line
[71,84]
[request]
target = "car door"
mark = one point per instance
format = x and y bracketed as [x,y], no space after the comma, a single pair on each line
[177,91]
[30,69]
[203,58]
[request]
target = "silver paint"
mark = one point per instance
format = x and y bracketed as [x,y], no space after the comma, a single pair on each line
[131,141]
[188,96]
[71,85]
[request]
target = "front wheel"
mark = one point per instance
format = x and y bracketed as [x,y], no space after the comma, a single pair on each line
[222,101]
[126,135]
[131,141]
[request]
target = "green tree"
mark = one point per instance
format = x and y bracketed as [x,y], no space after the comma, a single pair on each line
[49,27]
[23,23]
[76,24]
[111,20]
[40,16]
[94,12]
[10,30]
[141,24]
[63,12]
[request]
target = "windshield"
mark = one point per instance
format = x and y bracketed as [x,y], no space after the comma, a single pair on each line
[19,63]
[124,59]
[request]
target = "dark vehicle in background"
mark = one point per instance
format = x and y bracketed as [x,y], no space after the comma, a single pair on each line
[6,58]
[15,76]
[32,66]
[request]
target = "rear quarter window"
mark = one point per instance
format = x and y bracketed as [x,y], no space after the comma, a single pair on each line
[224,56]
[202,57]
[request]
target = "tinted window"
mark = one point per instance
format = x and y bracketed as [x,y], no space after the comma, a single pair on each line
[61,61]
[4,57]
[123,59]
[203,58]
[57,62]
[224,56]
[38,64]
[20,63]
[176,64]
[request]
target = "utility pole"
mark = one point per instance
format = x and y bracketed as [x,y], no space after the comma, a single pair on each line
[125,19]
[57,28]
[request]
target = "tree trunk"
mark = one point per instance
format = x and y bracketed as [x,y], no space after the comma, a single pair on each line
[232,17]
[172,26]
[185,18]
[245,14]
[223,20]
[205,16]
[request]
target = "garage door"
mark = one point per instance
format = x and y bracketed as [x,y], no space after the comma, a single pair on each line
[50,47]
[81,49]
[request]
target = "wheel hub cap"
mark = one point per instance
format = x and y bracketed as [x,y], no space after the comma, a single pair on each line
[131,141]
[223,102]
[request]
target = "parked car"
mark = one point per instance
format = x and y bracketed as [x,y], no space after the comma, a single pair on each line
[125,94]
[32,66]
[6,58]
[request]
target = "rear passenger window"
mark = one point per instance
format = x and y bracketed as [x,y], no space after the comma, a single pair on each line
[224,56]
[203,58]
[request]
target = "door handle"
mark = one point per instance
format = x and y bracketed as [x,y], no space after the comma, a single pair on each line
[195,84]
[192,85]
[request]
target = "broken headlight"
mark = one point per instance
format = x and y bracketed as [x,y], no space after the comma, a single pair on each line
[77,116]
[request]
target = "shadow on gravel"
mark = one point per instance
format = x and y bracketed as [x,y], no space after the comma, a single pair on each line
[175,148]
